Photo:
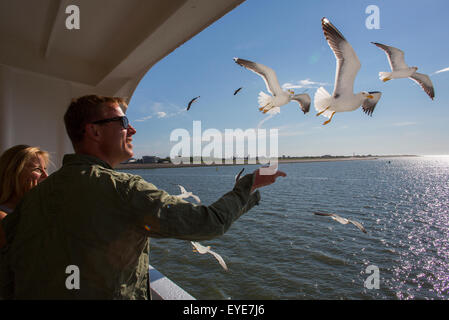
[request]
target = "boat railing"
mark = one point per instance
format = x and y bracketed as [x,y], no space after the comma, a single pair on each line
[162,288]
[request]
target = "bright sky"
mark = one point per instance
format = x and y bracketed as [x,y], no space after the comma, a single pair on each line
[287,36]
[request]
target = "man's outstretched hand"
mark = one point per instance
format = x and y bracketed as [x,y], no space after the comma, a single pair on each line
[265,179]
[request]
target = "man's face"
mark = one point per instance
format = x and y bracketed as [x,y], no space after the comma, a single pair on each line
[115,140]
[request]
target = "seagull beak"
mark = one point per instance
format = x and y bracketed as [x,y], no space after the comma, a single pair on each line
[370,96]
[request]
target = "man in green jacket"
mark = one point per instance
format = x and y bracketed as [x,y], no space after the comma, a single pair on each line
[89,222]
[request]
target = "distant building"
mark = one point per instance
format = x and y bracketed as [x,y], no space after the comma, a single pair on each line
[150,159]
[166,160]
[130,160]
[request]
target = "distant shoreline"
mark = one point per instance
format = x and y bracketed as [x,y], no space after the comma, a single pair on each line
[285,160]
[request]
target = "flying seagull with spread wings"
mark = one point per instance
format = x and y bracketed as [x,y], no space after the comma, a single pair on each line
[202,250]
[399,69]
[341,220]
[191,101]
[348,65]
[279,97]
[184,194]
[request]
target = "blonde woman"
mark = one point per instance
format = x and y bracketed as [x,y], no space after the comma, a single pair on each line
[21,168]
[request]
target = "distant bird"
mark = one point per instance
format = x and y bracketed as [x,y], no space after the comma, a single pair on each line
[184,194]
[401,70]
[280,97]
[202,250]
[191,101]
[348,65]
[341,220]
[237,91]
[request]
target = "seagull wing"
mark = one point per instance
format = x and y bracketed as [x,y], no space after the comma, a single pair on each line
[348,63]
[219,259]
[191,101]
[237,177]
[268,75]
[197,199]
[203,250]
[183,190]
[369,104]
[333,216]
[304,101]
[323,214]
[236,91]
[339,219]
[395,56]
[358,225]
[424,81]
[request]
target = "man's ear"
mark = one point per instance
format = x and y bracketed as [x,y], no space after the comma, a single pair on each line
[92,131]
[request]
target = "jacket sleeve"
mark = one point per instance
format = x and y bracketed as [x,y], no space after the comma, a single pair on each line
[164,216]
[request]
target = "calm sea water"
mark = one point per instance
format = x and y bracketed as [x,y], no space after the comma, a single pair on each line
[281,250]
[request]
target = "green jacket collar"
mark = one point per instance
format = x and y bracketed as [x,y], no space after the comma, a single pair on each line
[83,159]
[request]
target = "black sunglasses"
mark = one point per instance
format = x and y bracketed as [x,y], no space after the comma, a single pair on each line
[124,120]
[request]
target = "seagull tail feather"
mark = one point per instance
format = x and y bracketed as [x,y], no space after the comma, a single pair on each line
[384,75]
[265,100]
[322,100]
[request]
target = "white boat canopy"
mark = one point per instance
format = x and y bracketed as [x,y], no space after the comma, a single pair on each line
[48,56]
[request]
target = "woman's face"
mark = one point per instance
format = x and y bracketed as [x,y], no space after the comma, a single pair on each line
[34,172]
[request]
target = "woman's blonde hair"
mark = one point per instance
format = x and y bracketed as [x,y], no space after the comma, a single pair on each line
[12,163]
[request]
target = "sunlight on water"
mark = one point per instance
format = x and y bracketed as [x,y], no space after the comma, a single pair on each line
[280,250]
[423,271]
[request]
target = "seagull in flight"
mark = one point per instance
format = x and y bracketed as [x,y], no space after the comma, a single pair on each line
[184,194]
[279,97]
[202,250]
[237,91]
[191,101]
[348,65]
[401,70]
[341,220]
